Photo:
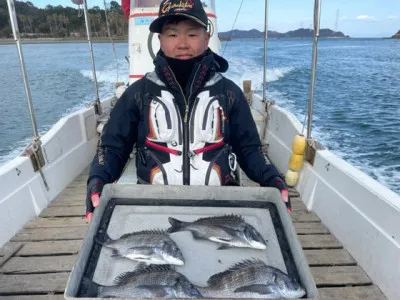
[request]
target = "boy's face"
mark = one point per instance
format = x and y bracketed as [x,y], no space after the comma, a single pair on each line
[183,40]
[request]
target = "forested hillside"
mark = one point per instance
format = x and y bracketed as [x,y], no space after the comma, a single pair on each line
[62,22]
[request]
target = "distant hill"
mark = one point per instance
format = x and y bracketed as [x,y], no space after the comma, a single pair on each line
[397,35]
[323,33]
[299,33]
[248,34]
[56,21]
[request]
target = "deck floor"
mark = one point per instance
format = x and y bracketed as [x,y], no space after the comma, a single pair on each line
[37,261]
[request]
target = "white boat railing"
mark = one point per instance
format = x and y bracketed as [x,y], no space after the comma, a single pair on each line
[68,147]
[360,212]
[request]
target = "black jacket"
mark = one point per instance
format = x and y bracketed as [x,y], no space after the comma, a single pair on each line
[173,145]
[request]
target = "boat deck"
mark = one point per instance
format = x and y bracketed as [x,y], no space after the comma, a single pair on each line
[37,261]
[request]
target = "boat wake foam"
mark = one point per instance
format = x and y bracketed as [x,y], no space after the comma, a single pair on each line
[254,72]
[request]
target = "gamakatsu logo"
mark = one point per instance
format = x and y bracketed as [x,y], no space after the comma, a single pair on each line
[180,6]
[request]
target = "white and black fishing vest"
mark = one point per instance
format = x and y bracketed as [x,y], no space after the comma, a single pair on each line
[189,137]
[189,147]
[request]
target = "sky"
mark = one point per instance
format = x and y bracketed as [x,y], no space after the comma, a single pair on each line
[356,18]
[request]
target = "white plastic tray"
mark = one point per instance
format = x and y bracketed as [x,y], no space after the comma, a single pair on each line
[129,208]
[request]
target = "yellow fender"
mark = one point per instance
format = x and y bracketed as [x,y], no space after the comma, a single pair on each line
[299,144]
[296,160]
[291,178]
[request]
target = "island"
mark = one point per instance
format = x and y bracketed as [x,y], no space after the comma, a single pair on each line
[299,33]
[397,35]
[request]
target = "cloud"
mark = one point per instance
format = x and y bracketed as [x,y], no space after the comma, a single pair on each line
[365,17]
[393,17]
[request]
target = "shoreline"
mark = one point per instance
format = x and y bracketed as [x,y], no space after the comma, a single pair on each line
[119,40]
[59,40]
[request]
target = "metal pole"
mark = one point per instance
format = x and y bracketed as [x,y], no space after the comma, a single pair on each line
[265,51]
[36,140]
[96,90]
[14,27]
[317,17]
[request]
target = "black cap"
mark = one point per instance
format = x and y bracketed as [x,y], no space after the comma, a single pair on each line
[191,9]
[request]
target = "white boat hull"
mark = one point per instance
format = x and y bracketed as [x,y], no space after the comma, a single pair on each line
[363,214]
[359,211]
[68,148]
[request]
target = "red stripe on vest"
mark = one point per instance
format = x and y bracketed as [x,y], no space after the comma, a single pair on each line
[210,147]
[162,148]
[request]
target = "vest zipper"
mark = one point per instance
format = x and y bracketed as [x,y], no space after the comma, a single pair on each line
[186,141]
[180,130]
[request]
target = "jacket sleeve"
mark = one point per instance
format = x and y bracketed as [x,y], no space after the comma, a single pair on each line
[117,139]
[246,143]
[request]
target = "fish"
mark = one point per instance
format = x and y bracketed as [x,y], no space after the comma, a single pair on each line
[149,246]
[149,282]
[228,230]
[252,278]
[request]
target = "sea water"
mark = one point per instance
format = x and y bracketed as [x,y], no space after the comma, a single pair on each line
[357,92]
